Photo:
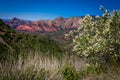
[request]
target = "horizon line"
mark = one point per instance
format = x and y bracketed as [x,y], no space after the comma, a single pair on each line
[46,19]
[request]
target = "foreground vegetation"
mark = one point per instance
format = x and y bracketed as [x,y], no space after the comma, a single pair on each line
[38,67]
[33,57]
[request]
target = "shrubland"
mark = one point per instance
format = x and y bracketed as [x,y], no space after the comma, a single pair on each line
[96,52]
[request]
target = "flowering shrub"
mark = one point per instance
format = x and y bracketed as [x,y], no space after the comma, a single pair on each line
[98,38]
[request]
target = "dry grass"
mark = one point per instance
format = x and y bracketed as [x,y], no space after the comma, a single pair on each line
[39,67]
[36,66]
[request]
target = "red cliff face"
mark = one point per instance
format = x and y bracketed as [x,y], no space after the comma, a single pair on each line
[25,28]
[44,25]
[35,26]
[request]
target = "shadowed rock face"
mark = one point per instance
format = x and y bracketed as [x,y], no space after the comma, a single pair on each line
[44,25]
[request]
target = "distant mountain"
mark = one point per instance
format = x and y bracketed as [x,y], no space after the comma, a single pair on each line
[15,22]
[44,25]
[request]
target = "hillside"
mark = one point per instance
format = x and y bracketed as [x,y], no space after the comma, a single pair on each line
[12,43]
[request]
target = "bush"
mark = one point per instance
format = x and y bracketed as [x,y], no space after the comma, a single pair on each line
[69,72]
[89,70]
[98,38]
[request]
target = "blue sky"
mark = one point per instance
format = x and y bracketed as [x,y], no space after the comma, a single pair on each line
[50,9]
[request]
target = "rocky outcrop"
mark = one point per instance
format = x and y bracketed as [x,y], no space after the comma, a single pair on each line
[44,25]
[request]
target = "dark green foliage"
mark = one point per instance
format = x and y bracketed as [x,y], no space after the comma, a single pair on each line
[3,51]
[39,44]
[69,72]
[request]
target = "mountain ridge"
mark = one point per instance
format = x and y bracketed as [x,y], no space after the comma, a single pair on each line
[54,25]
